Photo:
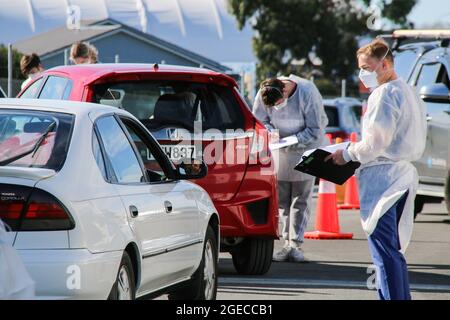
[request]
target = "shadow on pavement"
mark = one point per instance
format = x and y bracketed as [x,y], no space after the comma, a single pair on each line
[354,272]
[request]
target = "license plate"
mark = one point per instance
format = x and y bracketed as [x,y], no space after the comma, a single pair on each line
[177,152]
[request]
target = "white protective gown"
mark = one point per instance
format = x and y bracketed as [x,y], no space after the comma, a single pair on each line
[393,134]
[15,282]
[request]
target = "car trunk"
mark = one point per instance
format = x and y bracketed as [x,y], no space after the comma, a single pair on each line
[172,106]
[226,155]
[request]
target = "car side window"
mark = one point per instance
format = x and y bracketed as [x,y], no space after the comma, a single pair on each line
[443,77]
[56,88]
[119,151]
[153,167]
[428,74]
[32,91]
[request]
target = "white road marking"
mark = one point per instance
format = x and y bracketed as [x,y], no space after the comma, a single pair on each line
[292,282]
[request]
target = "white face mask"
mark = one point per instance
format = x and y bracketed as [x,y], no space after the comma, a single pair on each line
[280,105]
[369,78]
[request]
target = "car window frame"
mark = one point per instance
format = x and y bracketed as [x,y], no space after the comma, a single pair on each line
[151,143]
[43,79]
[112,178]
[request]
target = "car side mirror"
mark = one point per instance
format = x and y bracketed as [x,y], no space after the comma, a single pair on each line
[187,169]
[437,92]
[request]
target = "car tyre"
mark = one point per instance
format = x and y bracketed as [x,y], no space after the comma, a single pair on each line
[253,256]
[203,283]
[124,287]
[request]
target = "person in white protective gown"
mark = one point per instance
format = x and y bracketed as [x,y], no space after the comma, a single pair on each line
[393,134]
[292,106]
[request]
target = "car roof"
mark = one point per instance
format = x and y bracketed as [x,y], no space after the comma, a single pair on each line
[341,101]
[63,106]
[94,71]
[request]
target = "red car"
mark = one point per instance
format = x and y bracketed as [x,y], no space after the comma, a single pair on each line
[171,101]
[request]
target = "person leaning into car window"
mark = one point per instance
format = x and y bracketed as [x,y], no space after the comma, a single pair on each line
[30,66]
[292,106]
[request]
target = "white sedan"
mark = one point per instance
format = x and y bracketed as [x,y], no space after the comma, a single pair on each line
[96,208]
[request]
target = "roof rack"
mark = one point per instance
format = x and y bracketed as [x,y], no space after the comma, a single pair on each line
[399,37]
[423,34]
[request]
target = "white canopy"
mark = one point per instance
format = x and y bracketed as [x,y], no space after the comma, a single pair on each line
[202,26]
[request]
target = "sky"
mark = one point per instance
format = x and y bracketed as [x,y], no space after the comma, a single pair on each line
[426,13]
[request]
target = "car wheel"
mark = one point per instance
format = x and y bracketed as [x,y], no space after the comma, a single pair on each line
[253,256]
[419,202]
[124,288]
[447,192]
[203,284]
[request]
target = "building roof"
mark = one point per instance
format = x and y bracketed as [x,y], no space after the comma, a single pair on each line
[202,26]
[61,38]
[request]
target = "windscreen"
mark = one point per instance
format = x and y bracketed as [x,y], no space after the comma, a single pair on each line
[23,131]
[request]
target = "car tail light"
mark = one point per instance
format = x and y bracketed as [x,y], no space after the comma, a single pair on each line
[45,212]
[10,211]
[340,134]
[41,212]
[259,150]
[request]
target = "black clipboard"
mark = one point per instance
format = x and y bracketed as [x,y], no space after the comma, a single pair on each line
[315,165]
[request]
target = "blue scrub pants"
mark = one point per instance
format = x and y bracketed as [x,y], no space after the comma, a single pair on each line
[384,244]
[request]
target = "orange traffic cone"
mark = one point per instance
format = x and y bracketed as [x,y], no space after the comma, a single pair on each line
[351,188]
[340,189]
[327,219]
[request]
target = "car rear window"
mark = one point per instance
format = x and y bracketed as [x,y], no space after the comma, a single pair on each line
[333,116]
[20,131]
[163,104]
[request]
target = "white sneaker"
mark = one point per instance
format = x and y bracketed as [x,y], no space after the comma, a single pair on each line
[282,255]
[296,255]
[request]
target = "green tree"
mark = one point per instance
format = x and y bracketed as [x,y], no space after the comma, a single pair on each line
[306,35]
[4,63]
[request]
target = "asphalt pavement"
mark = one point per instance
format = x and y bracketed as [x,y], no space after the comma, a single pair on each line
[340,269]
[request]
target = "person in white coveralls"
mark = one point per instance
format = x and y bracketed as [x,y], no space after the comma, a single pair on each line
[393,134]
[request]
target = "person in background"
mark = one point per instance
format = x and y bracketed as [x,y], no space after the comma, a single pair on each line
[393,134]
[30,66]
[292,106]
[83,52]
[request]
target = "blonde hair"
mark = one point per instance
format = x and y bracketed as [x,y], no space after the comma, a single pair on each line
[378,48]
[84,50]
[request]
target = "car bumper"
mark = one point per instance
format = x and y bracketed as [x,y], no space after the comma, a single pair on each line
[71,274]
[253,212]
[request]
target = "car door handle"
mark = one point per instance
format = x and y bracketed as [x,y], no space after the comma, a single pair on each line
[134,211]
[168,206]
[429,118]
